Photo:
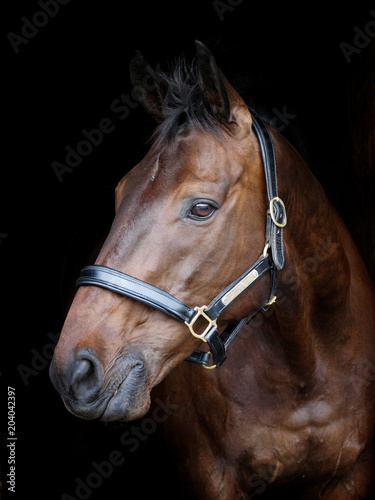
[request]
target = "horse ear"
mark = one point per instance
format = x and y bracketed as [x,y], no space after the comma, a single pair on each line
[149,87]
[219,92]
[211,82]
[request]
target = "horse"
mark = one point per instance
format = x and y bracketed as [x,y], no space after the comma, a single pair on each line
[281,394]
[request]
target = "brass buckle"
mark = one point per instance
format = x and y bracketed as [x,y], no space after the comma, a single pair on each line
[266,247]
[209,367]
[272,212]
[211,323]
[272,301]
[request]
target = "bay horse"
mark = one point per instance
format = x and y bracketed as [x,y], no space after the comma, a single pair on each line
[205,218]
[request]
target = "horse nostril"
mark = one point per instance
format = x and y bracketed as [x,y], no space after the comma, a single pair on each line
[84,372]
[86,380]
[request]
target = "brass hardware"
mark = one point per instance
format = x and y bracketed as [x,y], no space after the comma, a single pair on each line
[211,323]
[266,247]
[209,367]
[240,287]
[272,212]
[272,301]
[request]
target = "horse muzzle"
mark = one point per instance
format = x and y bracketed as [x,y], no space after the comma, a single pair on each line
[120,394]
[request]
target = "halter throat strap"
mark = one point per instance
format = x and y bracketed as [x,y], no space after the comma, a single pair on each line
[271,259]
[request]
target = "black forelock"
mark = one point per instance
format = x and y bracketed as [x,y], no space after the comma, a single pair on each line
[184,104]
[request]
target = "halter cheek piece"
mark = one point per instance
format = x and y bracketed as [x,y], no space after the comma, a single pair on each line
[271,259]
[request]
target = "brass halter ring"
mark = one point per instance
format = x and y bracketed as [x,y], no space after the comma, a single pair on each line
[211,323]
[273,215]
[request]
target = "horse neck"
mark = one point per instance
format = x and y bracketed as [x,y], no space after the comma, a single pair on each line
[313,288]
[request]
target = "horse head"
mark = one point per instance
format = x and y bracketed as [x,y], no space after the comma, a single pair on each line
[190,218]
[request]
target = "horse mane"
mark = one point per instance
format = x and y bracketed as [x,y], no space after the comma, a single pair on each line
[184,104]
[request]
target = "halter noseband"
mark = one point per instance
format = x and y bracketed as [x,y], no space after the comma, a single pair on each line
[272,261]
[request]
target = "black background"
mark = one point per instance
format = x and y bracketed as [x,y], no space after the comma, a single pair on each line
[64,80]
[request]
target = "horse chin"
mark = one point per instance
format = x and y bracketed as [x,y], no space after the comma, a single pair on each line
[131,399]
[130,402]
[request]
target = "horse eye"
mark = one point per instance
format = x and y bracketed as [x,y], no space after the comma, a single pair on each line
[202,210]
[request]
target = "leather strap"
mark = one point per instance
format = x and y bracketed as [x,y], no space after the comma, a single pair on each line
[148,294]
[224,298]
[203,358]
[218,344]
[126,285]
[274,232]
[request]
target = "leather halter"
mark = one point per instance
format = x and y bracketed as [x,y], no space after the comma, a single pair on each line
[271,259]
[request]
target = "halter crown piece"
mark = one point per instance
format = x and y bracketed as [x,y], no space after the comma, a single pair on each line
[271,259]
